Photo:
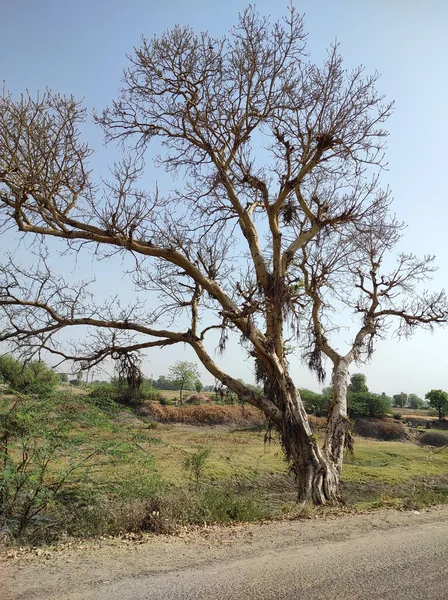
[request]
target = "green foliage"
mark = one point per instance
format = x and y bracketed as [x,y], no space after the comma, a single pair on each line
[151,394]
[438,399]
[220,502]
[362,403]
[34,378]
[195,463]
[414,401]
[165,401]
[397,416]
[108,395]
[185,374]
[164,383]
[105,396]
[367,404]
[400,399]
[358,383]
[315,404]
[50,455]
[198,386]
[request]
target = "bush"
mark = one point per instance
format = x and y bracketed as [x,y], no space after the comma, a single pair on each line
[118,392]
[434,438]
[35,378]
[195,464]
[315,404]
[366,404]
[50,458]
[379,429]
[165,401]
[151,394]
[215,503]
[104,396]
[397,416]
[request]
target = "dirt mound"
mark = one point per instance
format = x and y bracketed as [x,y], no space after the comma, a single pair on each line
[204,414]
[198,399]
[381,429]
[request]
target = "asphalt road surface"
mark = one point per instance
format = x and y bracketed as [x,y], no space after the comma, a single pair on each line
[374,556]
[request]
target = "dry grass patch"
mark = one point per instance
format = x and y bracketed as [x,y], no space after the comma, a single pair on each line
[210,414]
[381,429]
[434,438]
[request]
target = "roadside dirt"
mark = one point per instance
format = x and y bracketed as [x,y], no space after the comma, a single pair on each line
[85,566]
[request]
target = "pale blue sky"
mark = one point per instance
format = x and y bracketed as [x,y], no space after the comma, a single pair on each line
[80,47]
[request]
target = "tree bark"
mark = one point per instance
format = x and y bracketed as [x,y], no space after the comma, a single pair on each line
[317,474]
[338,422]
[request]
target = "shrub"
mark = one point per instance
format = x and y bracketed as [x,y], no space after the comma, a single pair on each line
[366,404]
[379,429]
[315,404]
[195,463]
[104,396]
[151,394]
[397,416]
[165,401]
[34,378]
[108,394]
[215,503]
[434,438]
[48,449]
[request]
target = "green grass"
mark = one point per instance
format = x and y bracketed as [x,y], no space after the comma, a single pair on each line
[393,462]
[233,453]
[242,480]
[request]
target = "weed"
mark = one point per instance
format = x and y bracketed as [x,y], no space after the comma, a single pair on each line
[195,463]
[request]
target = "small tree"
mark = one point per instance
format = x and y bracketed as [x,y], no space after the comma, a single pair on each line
[414,401]
[195,463]
[400,399]
[438,399]
[358,383]
[185,374]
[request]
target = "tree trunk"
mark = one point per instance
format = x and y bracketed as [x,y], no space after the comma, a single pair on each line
[338,423]
[316,474]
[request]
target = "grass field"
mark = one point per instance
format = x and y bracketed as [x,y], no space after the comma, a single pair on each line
[188,474]
[376,470]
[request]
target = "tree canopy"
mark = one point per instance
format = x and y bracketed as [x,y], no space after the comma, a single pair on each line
[185,374]
[438,399]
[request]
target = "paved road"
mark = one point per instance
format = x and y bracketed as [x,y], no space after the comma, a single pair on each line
[382,556]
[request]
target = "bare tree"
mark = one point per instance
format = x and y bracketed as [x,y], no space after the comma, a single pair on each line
[272,151]
[345,272]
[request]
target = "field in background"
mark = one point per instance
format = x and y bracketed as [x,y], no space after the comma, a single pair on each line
[214,465]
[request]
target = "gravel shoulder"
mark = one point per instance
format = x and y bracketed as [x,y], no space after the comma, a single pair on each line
[110,568]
